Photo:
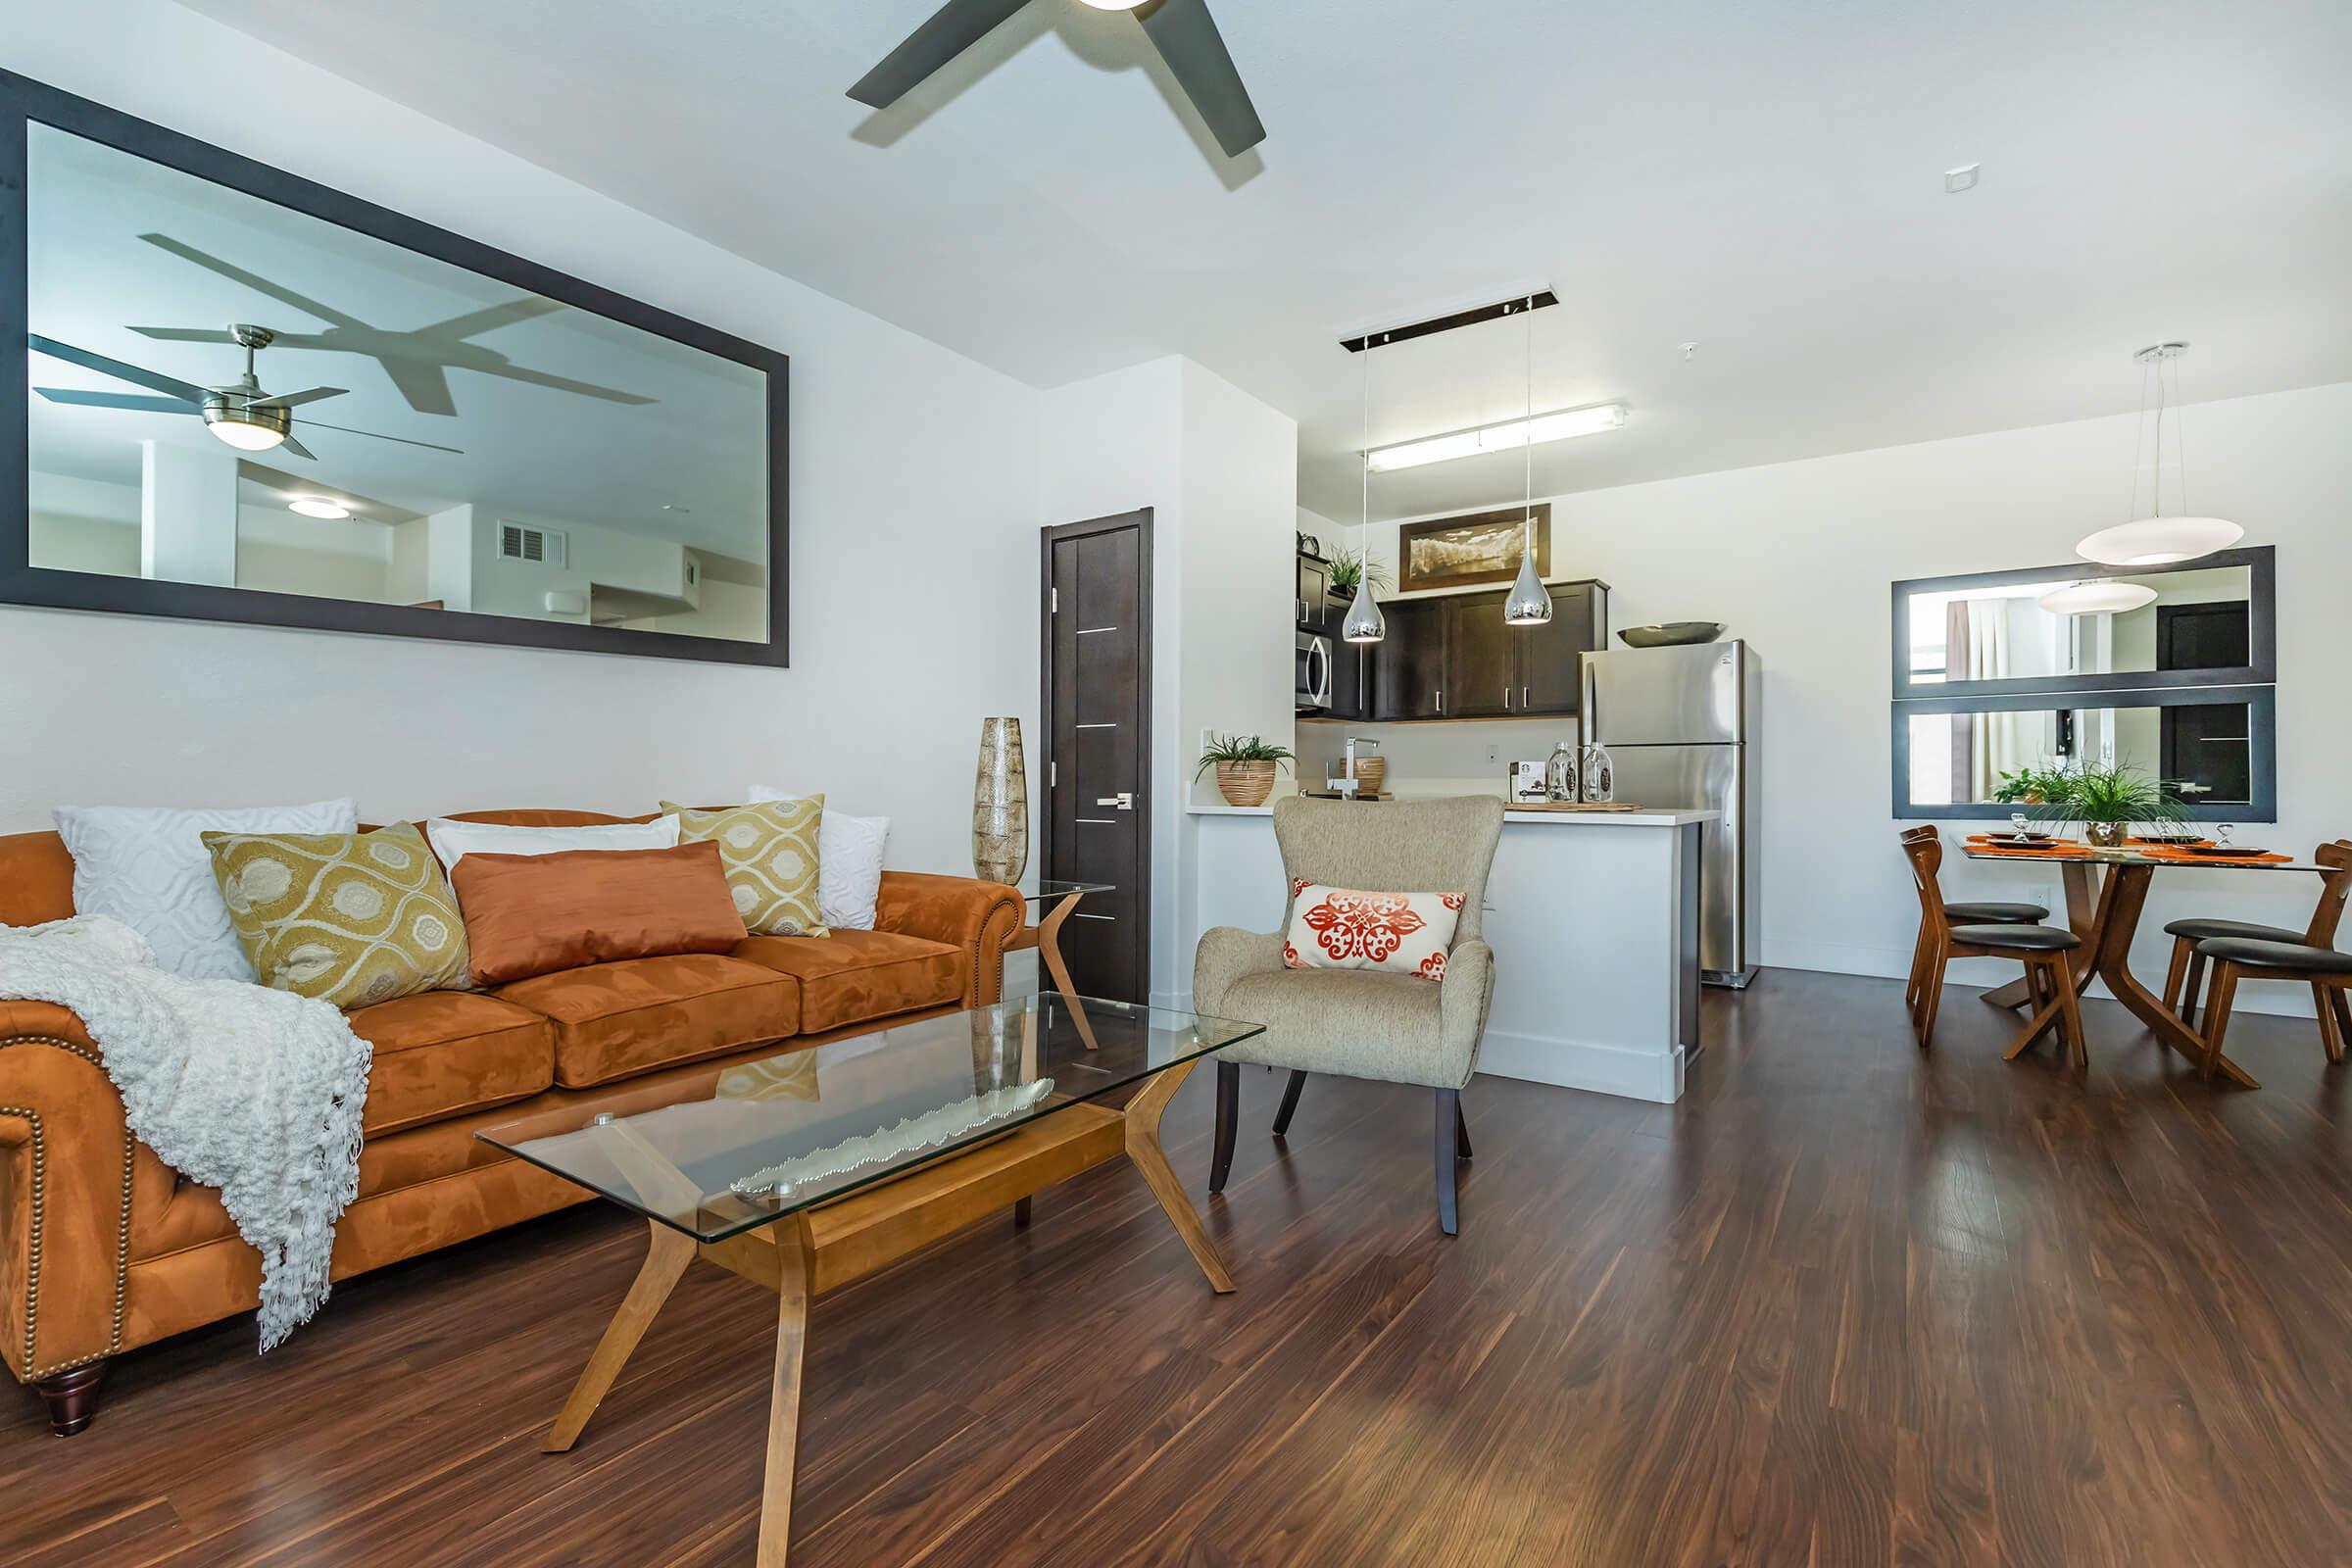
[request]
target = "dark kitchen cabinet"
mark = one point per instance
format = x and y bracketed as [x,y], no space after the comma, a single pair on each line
[1313,596]
[1352,680]
[1452,656]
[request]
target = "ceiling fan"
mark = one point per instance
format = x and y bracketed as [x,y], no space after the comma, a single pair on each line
[240,413]
[1181,30]
[417,359]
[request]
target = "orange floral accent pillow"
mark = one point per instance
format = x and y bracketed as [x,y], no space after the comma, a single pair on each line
[1346,928]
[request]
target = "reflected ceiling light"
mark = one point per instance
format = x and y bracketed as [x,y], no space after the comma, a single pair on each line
[1363,622]
[1533,430]
[2157,540]
[319,507]
[2097,598]
[1528,604]
[1114,4]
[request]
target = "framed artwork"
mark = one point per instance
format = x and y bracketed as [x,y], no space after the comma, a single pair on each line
[1480,547]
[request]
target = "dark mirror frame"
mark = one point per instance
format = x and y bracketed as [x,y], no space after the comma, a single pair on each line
[2261,745]
[2261,627]
[22,101]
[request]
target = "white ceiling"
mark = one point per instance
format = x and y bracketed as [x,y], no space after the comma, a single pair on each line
[1762,179]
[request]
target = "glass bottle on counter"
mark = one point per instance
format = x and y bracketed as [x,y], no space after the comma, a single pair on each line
[1600,773]
[1560,774]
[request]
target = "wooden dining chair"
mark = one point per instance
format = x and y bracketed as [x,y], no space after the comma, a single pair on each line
[2310,957]
[2184,980]
[1968,912]
[2043,948]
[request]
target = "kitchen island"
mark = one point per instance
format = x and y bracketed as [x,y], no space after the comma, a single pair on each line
[1594,919]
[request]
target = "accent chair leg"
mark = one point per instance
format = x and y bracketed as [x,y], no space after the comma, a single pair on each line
[72,1398]
[1461,1130]
[1290,1102]
[1229,1114]
[1449,1113]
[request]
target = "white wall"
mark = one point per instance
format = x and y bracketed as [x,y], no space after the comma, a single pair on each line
[1798,559]
[1220,469]
[913,514]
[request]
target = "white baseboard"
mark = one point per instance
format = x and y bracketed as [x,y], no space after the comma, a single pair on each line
[1632,1071]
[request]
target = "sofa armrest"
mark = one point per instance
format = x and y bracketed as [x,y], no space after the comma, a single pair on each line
[1225,954]
[66,1163]
[980,917]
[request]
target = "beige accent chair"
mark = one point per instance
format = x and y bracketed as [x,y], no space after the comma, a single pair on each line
[1362,1023]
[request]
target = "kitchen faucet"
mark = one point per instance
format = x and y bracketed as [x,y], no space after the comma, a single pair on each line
[1346,784]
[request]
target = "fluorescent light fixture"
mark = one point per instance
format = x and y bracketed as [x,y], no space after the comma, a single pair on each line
[2097,598]
[1508,436]
[319,507]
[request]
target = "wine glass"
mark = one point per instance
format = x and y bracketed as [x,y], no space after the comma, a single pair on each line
[2017,823]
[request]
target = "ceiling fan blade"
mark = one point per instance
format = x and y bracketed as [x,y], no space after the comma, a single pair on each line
[287,400]
[473,323]
[289,444]
[252,280]
[314,424]
[115,400]
[185,334]
[955,27]
[562,383]
[156,380]
[1186,38]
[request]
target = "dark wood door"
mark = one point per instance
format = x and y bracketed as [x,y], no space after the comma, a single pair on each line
[1408,673]
[1550,656]
[1098,763]
[1481,658]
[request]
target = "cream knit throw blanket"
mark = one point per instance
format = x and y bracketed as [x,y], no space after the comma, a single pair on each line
[253,1091]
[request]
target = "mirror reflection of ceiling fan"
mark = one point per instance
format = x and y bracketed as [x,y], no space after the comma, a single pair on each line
[418,361]
[240,413]
[1181,30]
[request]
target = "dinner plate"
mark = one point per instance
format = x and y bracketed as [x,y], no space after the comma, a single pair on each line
[2226,852]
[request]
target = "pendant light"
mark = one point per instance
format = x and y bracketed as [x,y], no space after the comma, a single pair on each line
[2157,540]
[1364,623]
[2096,598]
[1528,603]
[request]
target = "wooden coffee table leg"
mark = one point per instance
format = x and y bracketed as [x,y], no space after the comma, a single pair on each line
[1143,1147]
[794,1253]
[665,1263]
[1049,947]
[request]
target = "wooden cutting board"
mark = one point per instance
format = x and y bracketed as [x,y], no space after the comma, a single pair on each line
[1574,805]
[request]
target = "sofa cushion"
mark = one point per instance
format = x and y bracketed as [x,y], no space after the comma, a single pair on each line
[535,914]
[443,1052]
[852,976]
[614,1020]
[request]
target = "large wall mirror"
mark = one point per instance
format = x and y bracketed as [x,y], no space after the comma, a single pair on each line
[2200,622]
[248,398]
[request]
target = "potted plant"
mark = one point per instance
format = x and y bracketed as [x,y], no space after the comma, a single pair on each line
[1244,765]
[2032,786]
[1349,568]
[2107,798]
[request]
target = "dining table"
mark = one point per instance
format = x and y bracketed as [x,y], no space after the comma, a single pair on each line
[2106,894]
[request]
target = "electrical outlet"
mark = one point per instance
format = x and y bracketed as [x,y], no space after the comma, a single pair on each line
[1494,754]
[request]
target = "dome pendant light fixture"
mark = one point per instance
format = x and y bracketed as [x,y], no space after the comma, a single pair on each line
[1364,623]
[2096,597]
[2157,540]
[1528,604]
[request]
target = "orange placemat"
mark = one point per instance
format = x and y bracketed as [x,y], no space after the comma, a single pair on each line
[2174,855]
[2055,851]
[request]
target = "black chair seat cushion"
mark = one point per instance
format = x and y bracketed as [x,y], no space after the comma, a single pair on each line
[2018,938]
[2285,958]
[2206,930]
[1999,914]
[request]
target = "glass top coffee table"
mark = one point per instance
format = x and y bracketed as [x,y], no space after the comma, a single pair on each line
[809,1170]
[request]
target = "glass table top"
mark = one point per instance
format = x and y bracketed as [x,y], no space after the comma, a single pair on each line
[2082,854]
[1050,889]
[808,1125]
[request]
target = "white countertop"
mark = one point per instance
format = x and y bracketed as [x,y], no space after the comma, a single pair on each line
[1646,817]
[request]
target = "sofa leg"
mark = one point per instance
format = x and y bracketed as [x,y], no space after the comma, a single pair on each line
[1290,1102]
[1229,1115]
[1461,1129]
[72,1398]
[1449,1121]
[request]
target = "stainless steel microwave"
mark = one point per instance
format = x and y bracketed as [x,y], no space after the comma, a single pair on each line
[1310,673]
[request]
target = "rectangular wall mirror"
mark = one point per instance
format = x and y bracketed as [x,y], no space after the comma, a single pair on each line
[248,398]
[2206,622]
[2215,749]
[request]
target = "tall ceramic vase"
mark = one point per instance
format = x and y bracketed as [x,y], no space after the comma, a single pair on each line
[1000,803]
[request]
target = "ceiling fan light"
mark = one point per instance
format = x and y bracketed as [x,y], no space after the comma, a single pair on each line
[319,507]
[244,436]
[1113,5]
[2159,540]
[2097,598]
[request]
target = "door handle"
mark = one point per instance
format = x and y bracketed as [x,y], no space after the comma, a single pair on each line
[1124,800]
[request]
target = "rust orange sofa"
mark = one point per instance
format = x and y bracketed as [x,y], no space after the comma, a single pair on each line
[102,1247]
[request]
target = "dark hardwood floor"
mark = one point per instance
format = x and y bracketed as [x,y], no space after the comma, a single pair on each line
[1843,1305]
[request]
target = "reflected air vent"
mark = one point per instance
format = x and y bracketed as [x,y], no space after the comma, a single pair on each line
[541,547]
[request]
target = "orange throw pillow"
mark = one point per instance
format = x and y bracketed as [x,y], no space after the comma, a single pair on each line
[529,914]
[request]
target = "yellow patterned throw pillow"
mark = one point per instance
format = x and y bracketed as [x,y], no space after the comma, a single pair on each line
[769,851]
[350,918]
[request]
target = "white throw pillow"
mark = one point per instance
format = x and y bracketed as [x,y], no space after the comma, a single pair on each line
[147,866]
[453,841]
[1346,928]
[849,862]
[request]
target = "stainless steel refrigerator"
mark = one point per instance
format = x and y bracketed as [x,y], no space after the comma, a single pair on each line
[1681,725]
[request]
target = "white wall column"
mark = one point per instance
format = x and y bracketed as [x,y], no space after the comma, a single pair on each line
[187,515]
[449,556]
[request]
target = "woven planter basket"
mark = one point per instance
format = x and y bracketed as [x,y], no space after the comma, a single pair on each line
[1371,774]
[1245,783]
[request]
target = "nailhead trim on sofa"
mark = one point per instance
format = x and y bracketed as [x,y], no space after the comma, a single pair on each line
[33,1371]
